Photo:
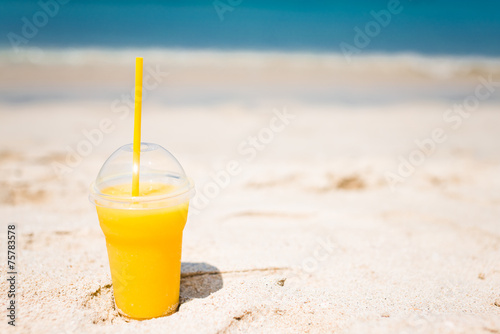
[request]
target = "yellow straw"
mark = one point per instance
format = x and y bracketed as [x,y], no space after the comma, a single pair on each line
[137,125]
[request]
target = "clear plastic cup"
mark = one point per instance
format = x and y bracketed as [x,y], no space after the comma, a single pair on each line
[143,233]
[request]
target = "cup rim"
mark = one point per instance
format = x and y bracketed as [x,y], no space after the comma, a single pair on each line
[184,193]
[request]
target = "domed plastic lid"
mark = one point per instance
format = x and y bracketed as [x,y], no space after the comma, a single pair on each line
[162,180]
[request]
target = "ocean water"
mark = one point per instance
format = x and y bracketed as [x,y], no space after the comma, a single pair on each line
[423,49]
[433,27]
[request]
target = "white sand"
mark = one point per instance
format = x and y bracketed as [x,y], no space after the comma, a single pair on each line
[307,238]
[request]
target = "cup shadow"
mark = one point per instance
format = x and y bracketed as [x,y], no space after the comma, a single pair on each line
[199,280]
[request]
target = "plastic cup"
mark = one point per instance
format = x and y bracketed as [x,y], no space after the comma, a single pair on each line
[143,233]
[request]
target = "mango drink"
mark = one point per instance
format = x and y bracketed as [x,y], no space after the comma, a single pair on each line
[142,197]
[144,249]
[143,232]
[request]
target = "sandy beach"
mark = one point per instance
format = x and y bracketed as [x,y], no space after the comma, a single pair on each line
[372,207]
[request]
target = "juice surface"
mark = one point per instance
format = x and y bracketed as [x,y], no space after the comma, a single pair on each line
[144,249]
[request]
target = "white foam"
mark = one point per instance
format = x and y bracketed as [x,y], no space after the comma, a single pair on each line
[403,64]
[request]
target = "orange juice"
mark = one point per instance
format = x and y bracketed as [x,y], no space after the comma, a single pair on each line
[144,249]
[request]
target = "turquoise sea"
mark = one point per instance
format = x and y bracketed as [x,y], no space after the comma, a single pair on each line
[435,27]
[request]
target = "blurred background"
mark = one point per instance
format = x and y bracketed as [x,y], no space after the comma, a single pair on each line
[335,50]
[423,26]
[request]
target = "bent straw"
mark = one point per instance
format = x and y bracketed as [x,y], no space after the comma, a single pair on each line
[137,125]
